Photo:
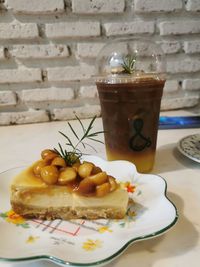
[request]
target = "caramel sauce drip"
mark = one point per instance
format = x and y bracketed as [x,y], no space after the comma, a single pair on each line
[52,171]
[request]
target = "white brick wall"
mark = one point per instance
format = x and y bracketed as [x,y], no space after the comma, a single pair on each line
[179,102]
[35,7]
[184,65]
[81,112]
[179,27]
[170,47]
[171,86]
[97,6]
[7,98]
[89,50]
[47,94]
[20,75]
[48,50]
[148,6]
[18,31]
[70,73]
[73,29]
[191,84]
[22,117]
[193,5]
[191,47]
[2,53]
[119,28]
[88,92]
[39,51]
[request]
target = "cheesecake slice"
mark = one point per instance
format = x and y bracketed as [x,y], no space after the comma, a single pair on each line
[92,194]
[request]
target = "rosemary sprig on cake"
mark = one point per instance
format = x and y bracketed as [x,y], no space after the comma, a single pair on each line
[74,154]
[128,64]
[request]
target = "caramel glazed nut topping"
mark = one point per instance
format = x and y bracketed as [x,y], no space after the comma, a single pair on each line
[83,178]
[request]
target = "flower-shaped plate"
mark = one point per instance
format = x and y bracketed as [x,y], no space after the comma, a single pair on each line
[82,242]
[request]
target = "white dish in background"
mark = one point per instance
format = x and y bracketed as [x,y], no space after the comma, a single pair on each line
[189,146]
[87,243]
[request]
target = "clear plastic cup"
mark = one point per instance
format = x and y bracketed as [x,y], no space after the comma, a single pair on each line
[130,80]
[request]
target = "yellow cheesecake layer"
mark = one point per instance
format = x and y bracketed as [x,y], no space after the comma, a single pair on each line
[28,179]
[29,190]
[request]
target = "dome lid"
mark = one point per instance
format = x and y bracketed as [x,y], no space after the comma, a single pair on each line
[127,60]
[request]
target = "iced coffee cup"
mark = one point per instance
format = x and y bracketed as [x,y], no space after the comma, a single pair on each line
[130,84]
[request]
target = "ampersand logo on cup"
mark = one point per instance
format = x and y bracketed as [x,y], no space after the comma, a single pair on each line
[138,141]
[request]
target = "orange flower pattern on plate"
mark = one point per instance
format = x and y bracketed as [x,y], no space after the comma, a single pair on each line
[130,188]
[14,218]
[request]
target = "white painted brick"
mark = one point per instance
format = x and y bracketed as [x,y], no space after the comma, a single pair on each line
[20,75]
[89,50]
[7,98]
[97,6]
[176,27]
[83,112]
[191,47]
[193,5]
[30,116]
[47,94]
[167,47]
[2,56]
[22,38]
[70,73]
[16,30]
[88,92]
[171,86]
[184,65]
[73,29]
[179,102]
[36,6]
[39,51]
[170,47]
[118,28]
[191,84]
[157,5]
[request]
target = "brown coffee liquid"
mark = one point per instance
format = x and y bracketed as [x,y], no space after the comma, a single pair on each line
[130,113]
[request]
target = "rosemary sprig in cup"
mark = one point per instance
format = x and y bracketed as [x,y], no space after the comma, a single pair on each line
[75,153]
[129,63]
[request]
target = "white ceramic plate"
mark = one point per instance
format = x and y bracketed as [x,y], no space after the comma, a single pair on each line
[189,146]
[87,243]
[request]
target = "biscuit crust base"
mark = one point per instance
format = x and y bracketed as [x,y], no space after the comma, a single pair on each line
[67,213]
